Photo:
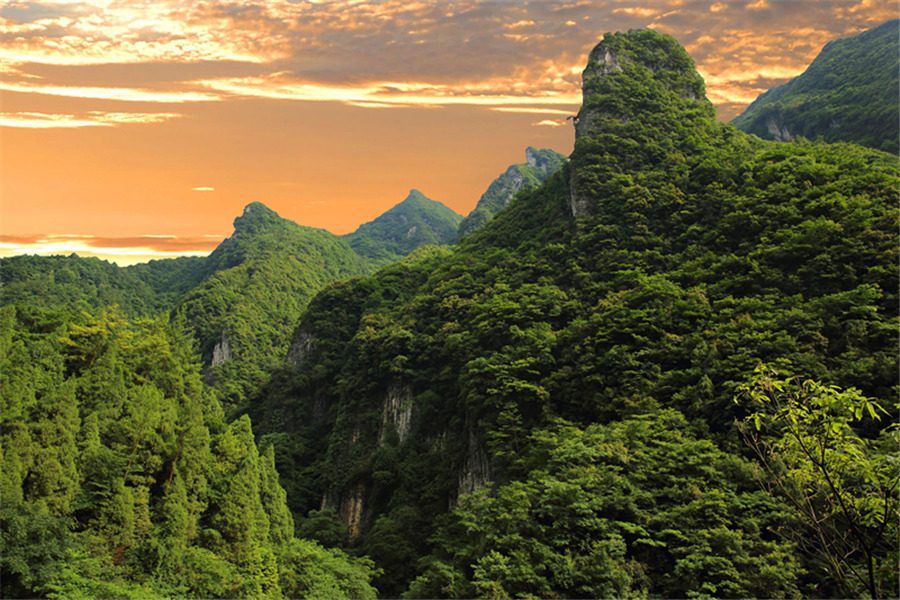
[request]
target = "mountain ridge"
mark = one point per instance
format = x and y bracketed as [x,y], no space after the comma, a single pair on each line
[848,93]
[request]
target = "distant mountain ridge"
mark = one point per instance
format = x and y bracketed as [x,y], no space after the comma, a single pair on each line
[848,93]
[538,166]
[417,221]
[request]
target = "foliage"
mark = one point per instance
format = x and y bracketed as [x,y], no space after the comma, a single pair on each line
[417,221]
[541,165]
[259,281]
[848,93]
[812,446]
[76,284]
[637,508]
[695,253]
[121,477]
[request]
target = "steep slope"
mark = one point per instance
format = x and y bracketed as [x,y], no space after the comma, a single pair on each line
[256,284]
[625,301]
[848,94]
[538,166]
[417,221]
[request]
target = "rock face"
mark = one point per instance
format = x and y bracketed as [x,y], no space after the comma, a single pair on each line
[221,352]
[351,509]
[538,166]
[477,469]
[777,129]
[396,415]
[302,347]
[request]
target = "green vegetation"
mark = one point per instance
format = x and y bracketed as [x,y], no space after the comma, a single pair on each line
[417,221]
[568,403]
[121,478]
[259,280]
[848,94]
[77,284]
[640,286]
[540,165]
[843,485]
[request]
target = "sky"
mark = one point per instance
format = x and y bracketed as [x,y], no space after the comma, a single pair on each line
[134,130]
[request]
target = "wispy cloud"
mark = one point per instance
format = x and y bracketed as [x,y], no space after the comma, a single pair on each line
[203,188]
[107,93]
[496,93]
[395,53]
[35,120]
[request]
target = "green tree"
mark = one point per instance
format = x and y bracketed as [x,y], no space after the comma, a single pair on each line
[813,448]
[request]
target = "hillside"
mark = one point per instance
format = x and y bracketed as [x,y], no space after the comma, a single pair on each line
[256,284]
[538,166]
[417,221]
[848,94]
[552,407]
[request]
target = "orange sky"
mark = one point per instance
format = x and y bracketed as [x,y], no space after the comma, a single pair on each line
[137,129]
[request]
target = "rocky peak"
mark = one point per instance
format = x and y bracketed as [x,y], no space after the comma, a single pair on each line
[643,101]
[634,75]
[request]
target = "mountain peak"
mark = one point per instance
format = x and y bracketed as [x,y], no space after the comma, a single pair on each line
[637,74]
[256,208]
[255,216]
[415,194]
[417,221]
[643,102]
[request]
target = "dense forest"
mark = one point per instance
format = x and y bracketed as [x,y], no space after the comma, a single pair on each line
[667,369]
[848,93]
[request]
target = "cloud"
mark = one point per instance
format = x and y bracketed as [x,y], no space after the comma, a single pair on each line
[549,123]
[534,110]
[122,250]
[35,120]
[107,93]
[393,53]
[491,93]
[203,188]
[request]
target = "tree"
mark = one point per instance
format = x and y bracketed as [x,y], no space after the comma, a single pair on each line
[813,448]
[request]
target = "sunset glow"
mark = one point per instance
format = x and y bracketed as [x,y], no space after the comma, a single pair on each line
[133,129]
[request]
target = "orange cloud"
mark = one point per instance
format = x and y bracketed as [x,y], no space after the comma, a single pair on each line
[35,120]
[549,123]
[107,93]
[637,11]
[495,93]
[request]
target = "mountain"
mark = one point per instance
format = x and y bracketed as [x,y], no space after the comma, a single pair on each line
[538,166]
[553,407]
[415,222]
[848,93]
[255,285]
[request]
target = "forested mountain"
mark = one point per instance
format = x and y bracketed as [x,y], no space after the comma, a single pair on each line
[538,166]
[555,407]
[417,221]
[667,369]
[256,284]
[848,94]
